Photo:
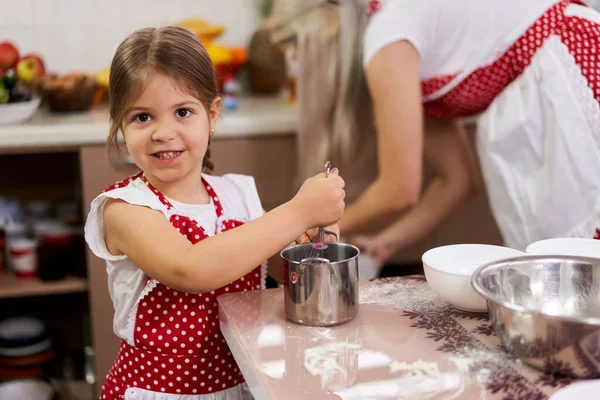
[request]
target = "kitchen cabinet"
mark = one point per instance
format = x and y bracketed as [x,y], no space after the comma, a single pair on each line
[29,175]
[11,287]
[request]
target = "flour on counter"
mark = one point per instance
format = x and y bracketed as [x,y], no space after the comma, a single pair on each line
[446,386]
[335,363]
[322,332]
[477,363]
[418,367]
[412,295]
[428,379]
[469,356]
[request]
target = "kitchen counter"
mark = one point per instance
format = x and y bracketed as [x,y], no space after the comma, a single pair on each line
[404,344]
[256,116]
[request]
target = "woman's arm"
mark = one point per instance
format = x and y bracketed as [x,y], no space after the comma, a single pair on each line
[450,154]
[393,80]
[149,240]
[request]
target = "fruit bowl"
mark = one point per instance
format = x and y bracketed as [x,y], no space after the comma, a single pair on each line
[15,113]
[73,92]
[204,30]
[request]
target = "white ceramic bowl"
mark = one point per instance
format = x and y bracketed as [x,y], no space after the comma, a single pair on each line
[15,113]
[566,247]
[586,390]
[448,270]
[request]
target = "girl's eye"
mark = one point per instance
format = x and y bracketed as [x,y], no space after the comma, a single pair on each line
[143,117]
[183,112]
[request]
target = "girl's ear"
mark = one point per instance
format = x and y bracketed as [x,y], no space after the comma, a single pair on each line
[213,112]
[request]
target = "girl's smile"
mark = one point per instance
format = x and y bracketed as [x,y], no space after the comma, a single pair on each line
[167,156]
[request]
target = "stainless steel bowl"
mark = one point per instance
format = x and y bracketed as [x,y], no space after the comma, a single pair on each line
[546,310]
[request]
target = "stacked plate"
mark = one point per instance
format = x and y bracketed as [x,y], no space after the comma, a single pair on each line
[29,389]
[25,347]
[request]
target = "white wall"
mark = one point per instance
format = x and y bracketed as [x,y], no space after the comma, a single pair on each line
[82,35]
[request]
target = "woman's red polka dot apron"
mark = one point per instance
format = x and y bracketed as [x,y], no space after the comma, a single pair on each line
[453,96]
[177,344]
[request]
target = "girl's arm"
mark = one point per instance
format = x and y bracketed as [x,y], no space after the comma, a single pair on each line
[393,80]
[449,152]
[149,240]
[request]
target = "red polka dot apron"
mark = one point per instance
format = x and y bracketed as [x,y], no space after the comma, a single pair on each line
[456,95]
[177,344]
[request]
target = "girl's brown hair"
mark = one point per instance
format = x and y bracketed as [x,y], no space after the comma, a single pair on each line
[171,51]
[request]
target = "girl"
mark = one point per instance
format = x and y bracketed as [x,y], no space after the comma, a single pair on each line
[175,238]
[529,70]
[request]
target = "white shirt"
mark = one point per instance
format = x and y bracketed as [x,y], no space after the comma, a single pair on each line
[451,35]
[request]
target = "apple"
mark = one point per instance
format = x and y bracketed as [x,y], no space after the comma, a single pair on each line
[9,55]
[30,68]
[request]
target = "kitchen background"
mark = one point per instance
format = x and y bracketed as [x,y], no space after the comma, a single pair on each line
[82,35]
[55,311]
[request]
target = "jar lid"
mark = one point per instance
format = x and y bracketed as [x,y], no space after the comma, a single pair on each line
[58,233]
[22,244]
[47,228]
[15,227]
[21,328]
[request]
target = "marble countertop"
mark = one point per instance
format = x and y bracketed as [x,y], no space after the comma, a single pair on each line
[404,344]
[256,116]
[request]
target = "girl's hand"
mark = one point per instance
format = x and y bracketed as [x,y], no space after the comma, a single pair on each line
[320,200]
[379,248]
[331,234]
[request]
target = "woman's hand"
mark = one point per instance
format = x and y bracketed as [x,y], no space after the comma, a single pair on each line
[332,233]
[375,246]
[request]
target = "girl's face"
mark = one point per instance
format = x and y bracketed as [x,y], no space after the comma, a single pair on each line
[167,131]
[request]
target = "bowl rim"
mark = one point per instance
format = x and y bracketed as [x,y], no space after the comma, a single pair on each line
[342,244]
[559,240]
[35,99]
[467,275]
[477,285]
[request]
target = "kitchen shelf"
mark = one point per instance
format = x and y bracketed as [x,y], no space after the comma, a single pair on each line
[11,287]
[74,389]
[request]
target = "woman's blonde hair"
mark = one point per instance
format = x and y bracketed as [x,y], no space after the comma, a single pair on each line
[333,102]
[170,51]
